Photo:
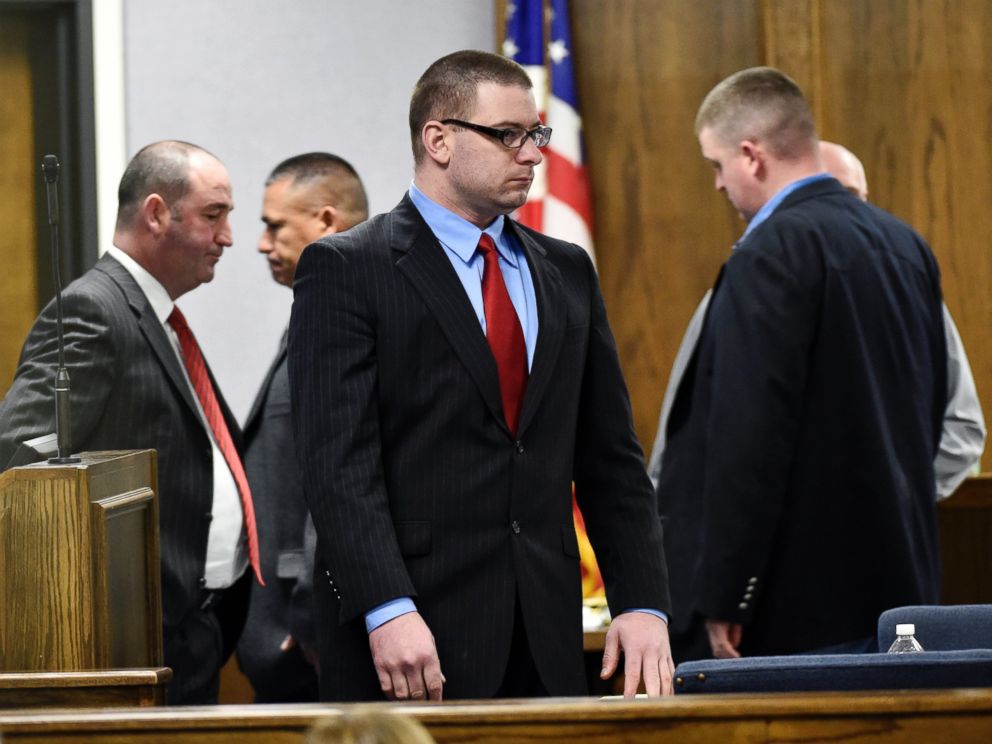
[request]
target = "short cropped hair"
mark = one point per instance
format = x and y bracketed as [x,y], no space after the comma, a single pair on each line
[159,168]
[761,104]
[447,89]
[336,181]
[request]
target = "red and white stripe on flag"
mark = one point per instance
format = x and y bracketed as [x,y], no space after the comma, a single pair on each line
[559,203]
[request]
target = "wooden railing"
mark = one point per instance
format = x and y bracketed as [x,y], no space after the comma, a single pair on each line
[960,716]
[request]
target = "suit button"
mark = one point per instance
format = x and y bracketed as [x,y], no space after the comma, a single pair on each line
[202,582]
[520,447]
[742,606]
[208,516]
[748,596]
[753,580]
[515,526]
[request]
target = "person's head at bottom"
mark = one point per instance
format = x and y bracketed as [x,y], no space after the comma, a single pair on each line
[368,726]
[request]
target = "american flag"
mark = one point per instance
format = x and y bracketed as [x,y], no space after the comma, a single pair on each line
[558,204]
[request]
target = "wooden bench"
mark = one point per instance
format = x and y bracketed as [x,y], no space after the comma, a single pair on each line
[960,716]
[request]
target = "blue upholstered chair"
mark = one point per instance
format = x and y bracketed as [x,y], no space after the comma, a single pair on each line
[958,653]
[940,627]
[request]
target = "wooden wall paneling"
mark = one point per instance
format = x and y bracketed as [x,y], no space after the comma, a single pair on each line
[908,87]
[790,41]
[18,286]
[661,230]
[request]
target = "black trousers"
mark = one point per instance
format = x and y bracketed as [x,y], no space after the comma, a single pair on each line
[202,643]
[521,678]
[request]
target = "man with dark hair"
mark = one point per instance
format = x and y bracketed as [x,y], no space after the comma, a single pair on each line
[452,373]
[139,381]
[797,482]
[306,197]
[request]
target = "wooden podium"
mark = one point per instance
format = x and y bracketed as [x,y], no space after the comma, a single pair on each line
[79,568]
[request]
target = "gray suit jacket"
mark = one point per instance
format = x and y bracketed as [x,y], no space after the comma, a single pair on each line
[128,392]
[284,605]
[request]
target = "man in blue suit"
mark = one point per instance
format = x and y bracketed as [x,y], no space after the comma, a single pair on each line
[797,486]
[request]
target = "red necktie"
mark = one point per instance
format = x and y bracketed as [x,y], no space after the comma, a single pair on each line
[504,334]
[197,369]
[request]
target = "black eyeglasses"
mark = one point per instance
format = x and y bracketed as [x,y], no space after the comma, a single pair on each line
[514,137]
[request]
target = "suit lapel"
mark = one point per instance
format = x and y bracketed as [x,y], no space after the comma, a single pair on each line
[423,263]
[263,390]
[551,318]
[150,327]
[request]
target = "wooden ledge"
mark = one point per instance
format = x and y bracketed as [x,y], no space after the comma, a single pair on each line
[103,678]
[898,716]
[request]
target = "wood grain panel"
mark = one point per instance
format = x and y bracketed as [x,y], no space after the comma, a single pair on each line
[907,85]
[661,230]
[962,716]
[18,286]
[790,41]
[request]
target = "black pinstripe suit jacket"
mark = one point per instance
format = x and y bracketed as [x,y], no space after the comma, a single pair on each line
[128,392]
[416,486]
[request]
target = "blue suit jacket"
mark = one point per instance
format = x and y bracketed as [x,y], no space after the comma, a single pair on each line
[797,489]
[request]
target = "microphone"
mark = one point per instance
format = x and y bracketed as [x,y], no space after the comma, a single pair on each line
[63,427]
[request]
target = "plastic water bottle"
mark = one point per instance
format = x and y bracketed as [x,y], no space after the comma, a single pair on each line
[905,642]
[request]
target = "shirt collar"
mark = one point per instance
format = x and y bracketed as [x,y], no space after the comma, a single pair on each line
[456,233]
[772,204]
[156,294]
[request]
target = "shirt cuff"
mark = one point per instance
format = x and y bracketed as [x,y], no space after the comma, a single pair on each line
[656,613]
[388,611]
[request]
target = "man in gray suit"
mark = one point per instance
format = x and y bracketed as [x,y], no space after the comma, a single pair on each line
[126,348]
[306,197]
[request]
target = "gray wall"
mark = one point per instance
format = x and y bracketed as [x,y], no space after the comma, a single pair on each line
[255,81]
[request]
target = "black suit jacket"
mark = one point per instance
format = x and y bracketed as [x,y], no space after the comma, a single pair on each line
[284,605]
[419,489]
[128,392]
[798,487]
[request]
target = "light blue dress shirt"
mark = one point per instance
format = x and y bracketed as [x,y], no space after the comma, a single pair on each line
[772,204]
[460,240]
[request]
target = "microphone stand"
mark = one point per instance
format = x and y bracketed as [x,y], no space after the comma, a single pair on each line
[63,426]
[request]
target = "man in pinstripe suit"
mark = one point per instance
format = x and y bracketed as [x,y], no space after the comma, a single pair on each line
[447,559]
[130,390]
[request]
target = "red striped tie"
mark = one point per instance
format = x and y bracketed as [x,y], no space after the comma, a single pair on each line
[197,369]
[504,334]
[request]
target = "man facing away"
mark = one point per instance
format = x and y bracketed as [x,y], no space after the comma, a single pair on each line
[306,197]
[798,487]
[140,381]
[452,373]
[962,437]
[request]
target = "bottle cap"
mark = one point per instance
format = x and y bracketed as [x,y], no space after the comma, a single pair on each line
[905,629]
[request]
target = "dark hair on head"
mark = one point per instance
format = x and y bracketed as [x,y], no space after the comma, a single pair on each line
[447,89]
[761,104]
[159,168]
[335,180]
